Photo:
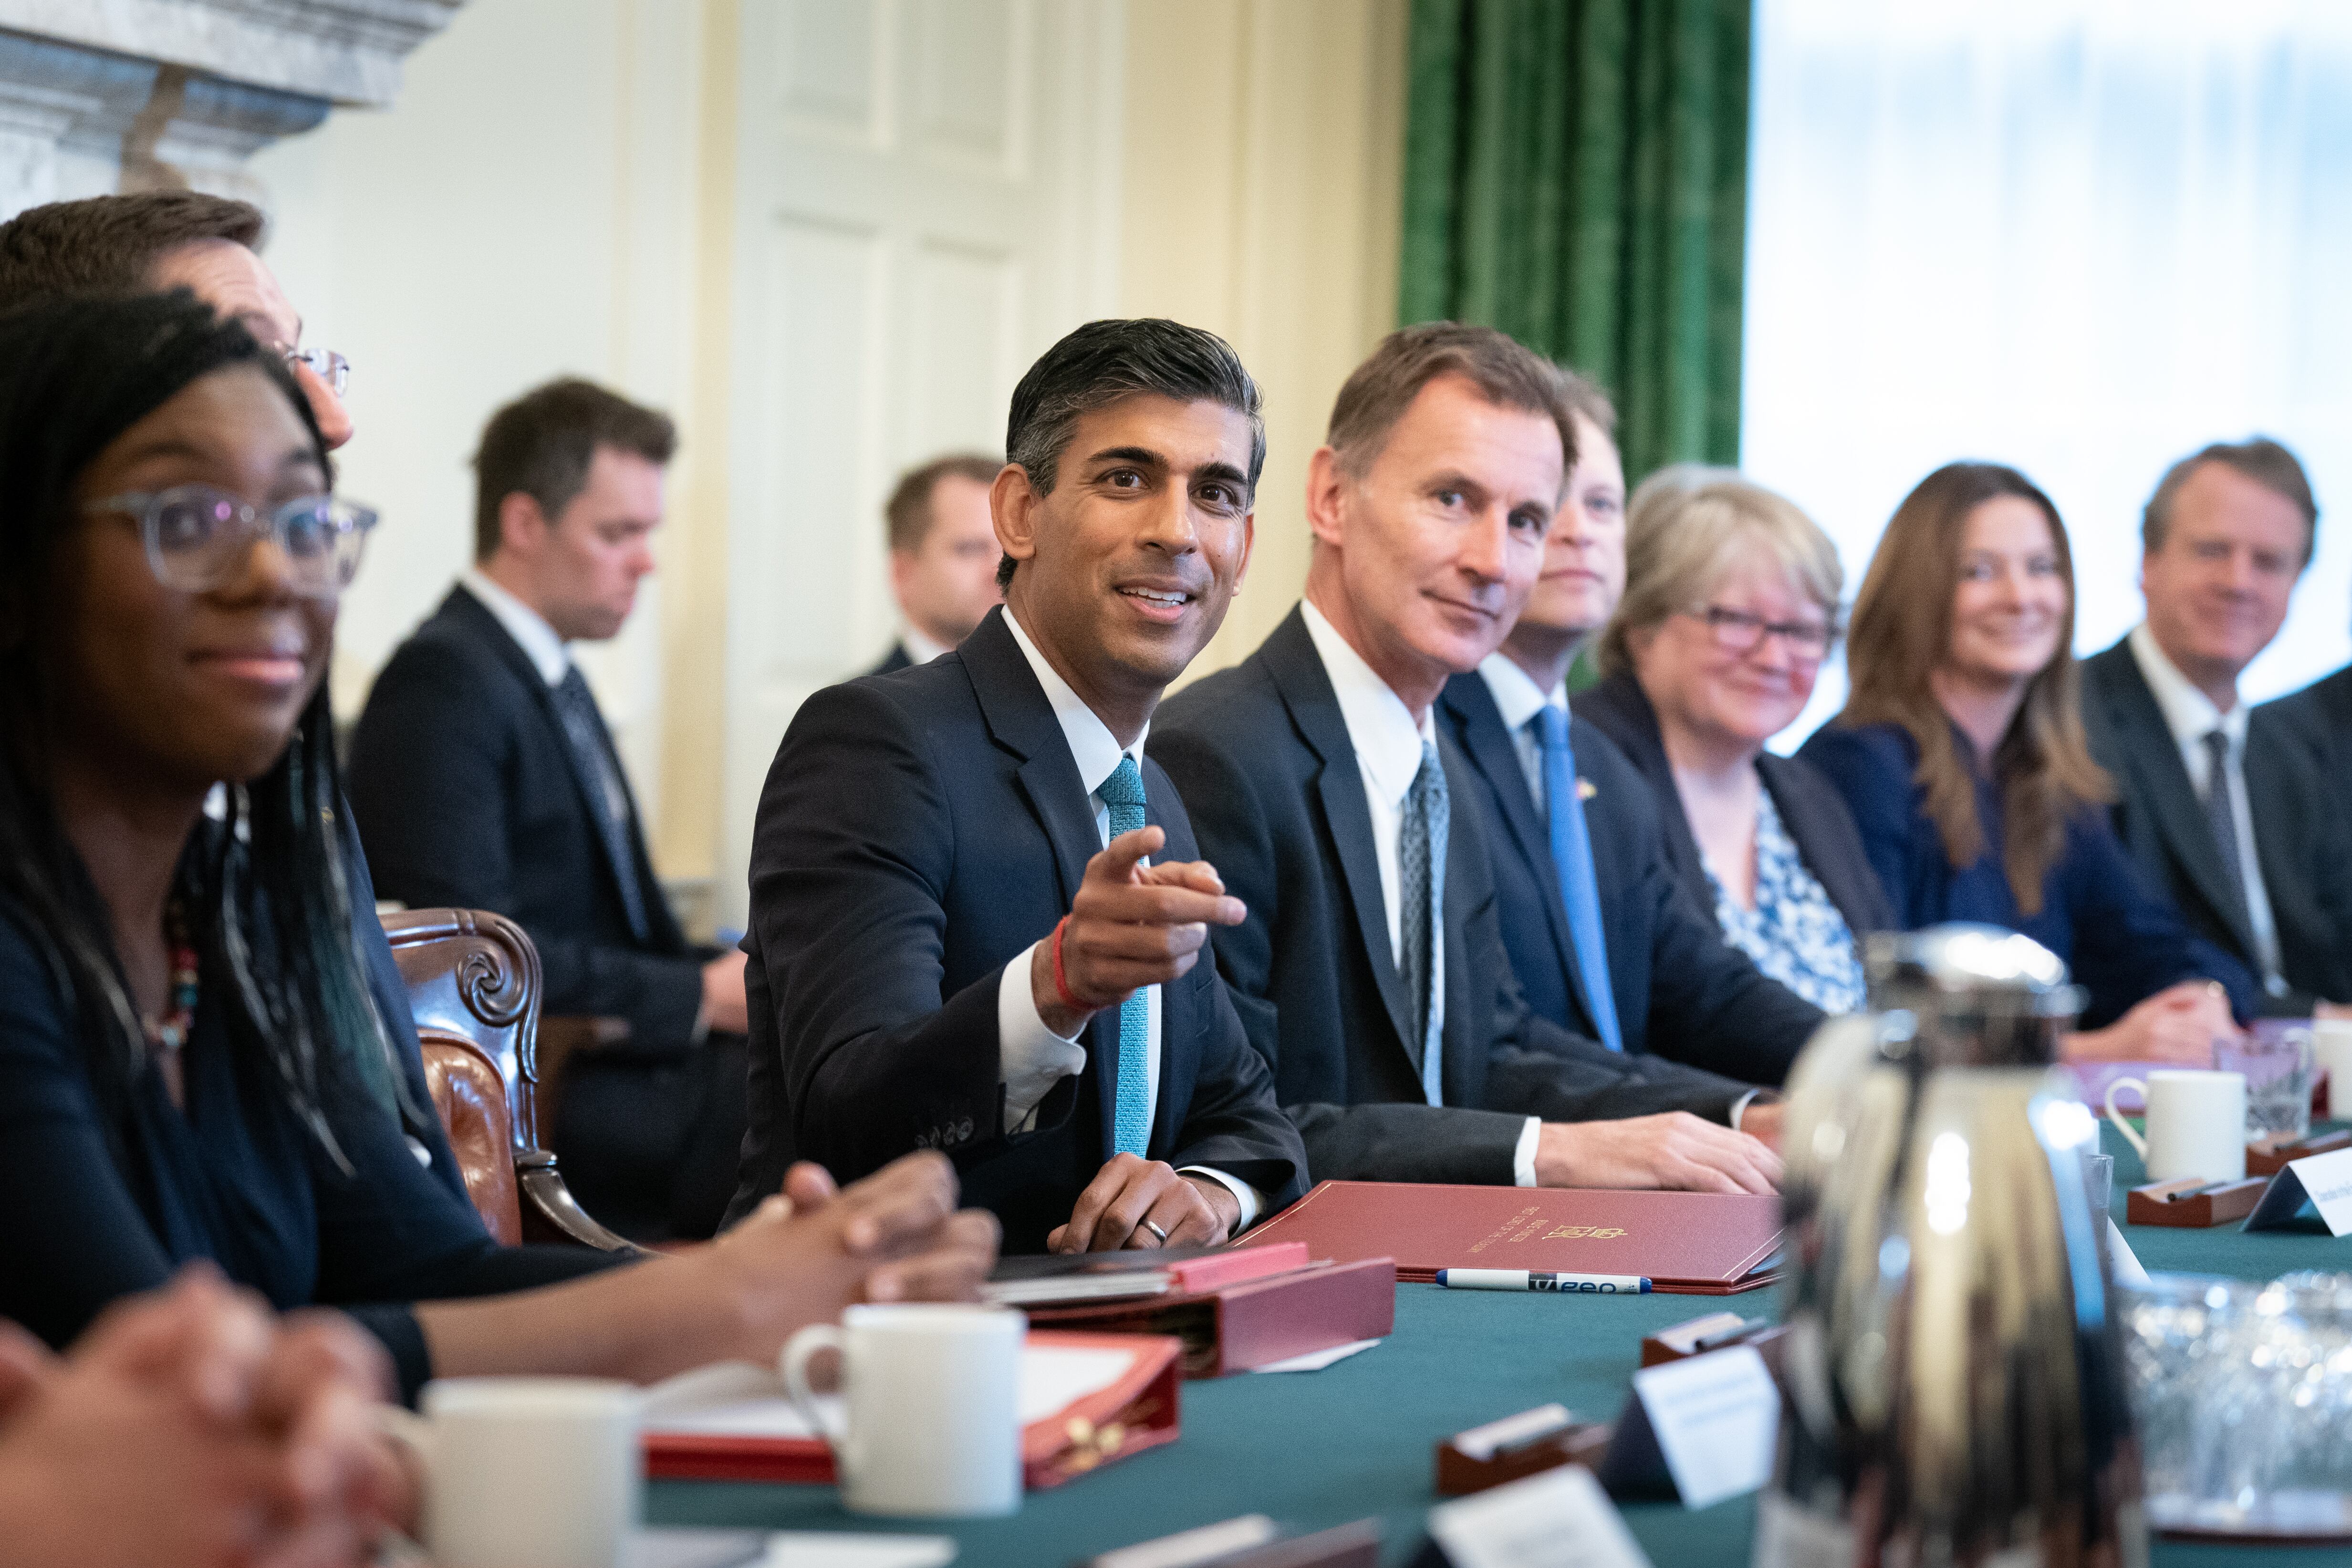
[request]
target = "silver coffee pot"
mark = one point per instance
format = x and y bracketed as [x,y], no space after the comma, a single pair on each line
[1954,1385]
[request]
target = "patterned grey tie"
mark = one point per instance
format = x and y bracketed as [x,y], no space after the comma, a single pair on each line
[2221,816]
[1421,876]
[592,755]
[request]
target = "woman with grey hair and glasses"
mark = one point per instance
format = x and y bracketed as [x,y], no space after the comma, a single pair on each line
[1730,606]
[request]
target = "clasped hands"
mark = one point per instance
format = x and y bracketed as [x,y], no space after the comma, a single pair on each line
[1134,926]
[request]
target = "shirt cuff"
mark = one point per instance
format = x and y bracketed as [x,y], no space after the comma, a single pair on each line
[1253,1202]
[1523,1158]
[1030,1058]
[1754,1096]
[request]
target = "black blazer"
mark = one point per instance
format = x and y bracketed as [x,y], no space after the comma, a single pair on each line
[1811,808]
[894,660]
[2303,841]
[2318,718]
[1681,991]
[916,833]
[467,795]
[1260,753]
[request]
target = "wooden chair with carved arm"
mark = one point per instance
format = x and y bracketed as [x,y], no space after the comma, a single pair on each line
[473,984]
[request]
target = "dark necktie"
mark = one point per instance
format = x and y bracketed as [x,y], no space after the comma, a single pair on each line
[1580,886]
[1421,875]
[1122,794]
[2221,816]
[592,755]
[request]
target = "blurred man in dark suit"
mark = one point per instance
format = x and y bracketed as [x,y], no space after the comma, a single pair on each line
[977,920]
[1617,912]
[1371,970]
[2227,810]
[942,556]
[483,777]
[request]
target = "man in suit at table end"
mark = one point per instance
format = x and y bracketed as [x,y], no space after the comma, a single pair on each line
[483,777]
[1371,970]
[978,920]
[2229,811]
[943,556]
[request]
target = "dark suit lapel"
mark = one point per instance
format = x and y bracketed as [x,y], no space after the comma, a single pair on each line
[1478,730]
[489,629]
[2154,758]
[1021,720]
[1178,1021]
[1299,675]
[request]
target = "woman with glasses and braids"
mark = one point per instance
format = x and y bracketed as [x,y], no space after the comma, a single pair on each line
[189,1066]
[1961,753]
[1730,606]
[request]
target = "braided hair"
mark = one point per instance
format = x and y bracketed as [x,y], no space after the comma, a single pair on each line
[266,886]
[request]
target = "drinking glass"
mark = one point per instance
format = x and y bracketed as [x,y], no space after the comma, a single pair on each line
[2278,1072]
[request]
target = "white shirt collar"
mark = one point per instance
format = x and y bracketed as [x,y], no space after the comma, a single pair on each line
[920,648]
[527,626]
[1514,693]
[1092,746]
[1381,728]
[2189,713]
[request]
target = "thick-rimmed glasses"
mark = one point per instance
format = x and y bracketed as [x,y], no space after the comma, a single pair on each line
[1737,631]
[324,363]
[197,537]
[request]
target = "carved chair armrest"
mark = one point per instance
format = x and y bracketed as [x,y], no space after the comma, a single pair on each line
[549,1212]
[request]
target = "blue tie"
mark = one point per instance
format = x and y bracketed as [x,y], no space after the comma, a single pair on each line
[1122,793]
[1580,889]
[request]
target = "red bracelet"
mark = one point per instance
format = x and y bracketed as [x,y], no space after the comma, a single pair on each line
[1062,986]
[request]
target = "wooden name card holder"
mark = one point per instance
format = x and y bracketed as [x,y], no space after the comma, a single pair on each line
[2193,1202]
[1517,1446]
[1697,1336]
[2266,1158]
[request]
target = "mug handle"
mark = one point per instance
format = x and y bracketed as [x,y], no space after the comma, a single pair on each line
[2138,1143]
[799,1350]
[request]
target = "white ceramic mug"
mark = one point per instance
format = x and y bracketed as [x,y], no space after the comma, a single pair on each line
[2196,1123]
[526,1472]
[928,1424]
[2331,1048]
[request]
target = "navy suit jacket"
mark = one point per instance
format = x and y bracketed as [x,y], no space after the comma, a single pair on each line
[2123,941]
[897,659]
[2320,719]
[468,796]
[1262,755]
[917,831]
[1809,804]
[1681,991]
[2303,843]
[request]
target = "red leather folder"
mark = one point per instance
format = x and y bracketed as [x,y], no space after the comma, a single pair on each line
[1141,1410]
[1256,1323]
[1690,1243]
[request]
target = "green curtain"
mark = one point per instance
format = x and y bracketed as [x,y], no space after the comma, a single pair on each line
[1576,174]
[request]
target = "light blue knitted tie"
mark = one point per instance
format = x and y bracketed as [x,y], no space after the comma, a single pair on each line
[1122,793]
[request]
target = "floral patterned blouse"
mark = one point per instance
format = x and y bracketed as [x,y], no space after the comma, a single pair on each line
[1794,934]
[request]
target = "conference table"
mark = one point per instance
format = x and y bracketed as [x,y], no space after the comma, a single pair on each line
[1354,1440]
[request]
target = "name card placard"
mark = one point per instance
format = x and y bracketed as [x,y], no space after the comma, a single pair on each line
[1560,1518]
[2324,1181]
[1715,1417]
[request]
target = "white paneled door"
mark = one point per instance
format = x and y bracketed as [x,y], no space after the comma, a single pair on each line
[926,196]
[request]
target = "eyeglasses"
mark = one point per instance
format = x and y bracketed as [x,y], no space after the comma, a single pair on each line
[197,537]
[324,363]
[1737,631]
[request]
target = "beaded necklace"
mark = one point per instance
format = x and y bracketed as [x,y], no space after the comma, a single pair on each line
[169,1033]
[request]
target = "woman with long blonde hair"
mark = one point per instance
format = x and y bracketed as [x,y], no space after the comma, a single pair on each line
[1960,753]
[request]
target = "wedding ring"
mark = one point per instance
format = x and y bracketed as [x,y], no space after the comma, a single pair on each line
[1156,1231]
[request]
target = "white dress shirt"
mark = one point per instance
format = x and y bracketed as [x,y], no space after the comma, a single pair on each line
[920,650]
[2190,714]
[1387,741]
[527,626]
[1031,1057]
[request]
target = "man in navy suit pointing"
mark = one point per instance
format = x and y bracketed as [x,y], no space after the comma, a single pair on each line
[978,919]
